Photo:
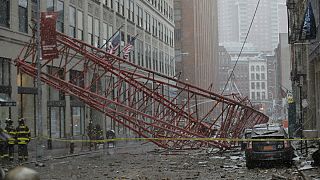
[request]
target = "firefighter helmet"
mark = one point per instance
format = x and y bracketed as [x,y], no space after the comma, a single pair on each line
[9,121]
[21,121]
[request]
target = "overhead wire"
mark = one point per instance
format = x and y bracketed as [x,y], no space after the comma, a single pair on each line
[243,44]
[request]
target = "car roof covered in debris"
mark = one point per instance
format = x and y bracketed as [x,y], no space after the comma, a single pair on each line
[268,130]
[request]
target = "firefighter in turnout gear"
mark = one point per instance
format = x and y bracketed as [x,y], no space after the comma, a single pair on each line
[3,143]
[98,132]
[23,137]
[90,133]
[9,129]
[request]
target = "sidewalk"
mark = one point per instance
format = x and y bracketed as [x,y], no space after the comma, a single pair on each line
[303,163]
[55,153]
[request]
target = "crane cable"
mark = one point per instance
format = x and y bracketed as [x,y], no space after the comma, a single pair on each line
[245,40]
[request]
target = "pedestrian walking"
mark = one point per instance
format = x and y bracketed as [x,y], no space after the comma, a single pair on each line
[9,129]
[23,137]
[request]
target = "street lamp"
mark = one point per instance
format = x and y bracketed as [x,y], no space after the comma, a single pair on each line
[172,68]
[172,65]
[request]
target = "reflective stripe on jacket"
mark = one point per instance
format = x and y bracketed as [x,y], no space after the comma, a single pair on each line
[12,132]
[23,134]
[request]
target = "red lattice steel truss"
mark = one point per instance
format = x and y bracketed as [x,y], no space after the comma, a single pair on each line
[149,103]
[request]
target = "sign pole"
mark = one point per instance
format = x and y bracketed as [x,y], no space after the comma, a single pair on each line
[39,150]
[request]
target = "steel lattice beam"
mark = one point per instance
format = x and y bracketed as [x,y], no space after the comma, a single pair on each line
[147,102]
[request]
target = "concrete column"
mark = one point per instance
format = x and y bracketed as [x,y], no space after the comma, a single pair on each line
[311,109]
[68,119]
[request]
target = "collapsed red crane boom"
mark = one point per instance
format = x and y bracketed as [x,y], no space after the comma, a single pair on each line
[149,103]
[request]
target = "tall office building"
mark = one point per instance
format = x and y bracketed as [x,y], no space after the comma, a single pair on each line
[264,33]
[228,21]
[94,22]
[196,33]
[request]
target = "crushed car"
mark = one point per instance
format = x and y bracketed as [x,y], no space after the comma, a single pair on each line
[246,135]
[268,143]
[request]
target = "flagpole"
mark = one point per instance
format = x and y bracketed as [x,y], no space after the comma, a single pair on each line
[112,36]
[127,44]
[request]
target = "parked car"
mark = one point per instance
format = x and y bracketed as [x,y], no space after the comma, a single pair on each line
[246,135]
[271,149]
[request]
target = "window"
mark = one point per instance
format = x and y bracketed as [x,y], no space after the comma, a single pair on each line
[23,16]
[117,3]
[258,96]
[34,9]
[165,34]
[72,21]
[253,95]
[252,68]
[263,95]
[166,61]
[77,120]
[131,11]
[154,27]
[171,65]
[252,85]
[50,5]
[263,76]
[262,68]
[263,85]
[171,13]
[140,16]
[258,85]
[80,25]
[148,56]
[107,33]
[258,68]
[139,50]
[171,38]
[148,29]
[54,94]
[160,31]
[60,21]
[161,61]
[110,4]
[155,59]
[4,72]
[252,76]
[258,76]
[131,54]
[57,122]
[120,7]
[96,33]
[90,30]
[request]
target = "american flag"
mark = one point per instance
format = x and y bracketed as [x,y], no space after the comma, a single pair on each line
[114,43]
[127,49]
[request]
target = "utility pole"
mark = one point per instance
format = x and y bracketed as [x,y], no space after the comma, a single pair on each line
[39,150]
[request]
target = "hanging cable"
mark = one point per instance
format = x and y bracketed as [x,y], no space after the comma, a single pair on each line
[245,40]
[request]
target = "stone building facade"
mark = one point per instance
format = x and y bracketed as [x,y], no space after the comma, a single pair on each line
[94,22]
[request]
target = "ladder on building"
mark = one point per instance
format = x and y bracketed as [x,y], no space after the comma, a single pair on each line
[172,113]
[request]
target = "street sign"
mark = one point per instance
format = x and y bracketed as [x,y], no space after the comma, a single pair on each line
[8,103]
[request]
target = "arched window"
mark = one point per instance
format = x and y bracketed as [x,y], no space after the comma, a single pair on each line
[258,68]
[252,68]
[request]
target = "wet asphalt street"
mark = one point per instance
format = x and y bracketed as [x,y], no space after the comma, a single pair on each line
[147,162]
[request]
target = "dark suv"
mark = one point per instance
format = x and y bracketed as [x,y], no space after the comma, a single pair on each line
[271,149]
